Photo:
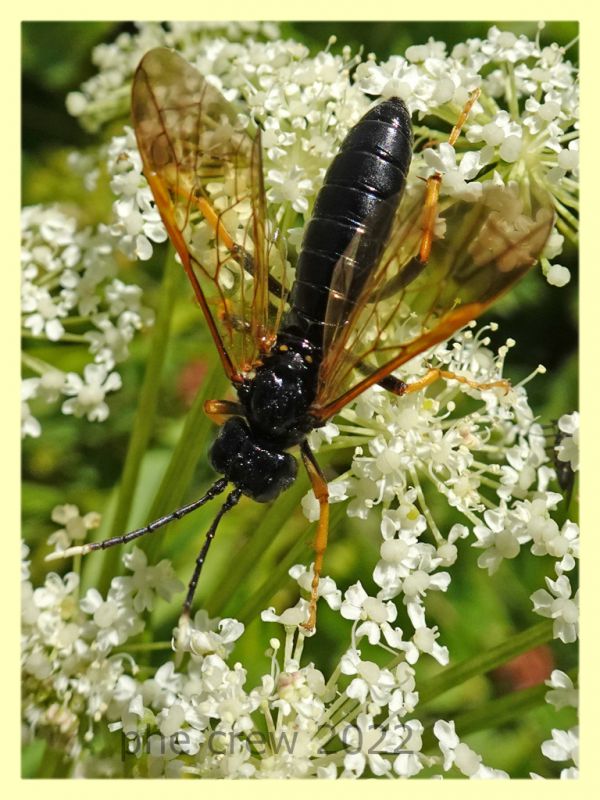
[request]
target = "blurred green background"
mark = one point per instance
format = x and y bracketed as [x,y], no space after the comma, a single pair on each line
[80,462]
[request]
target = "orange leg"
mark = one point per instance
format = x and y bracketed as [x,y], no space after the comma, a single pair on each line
[455,132]
[432,191]
[220,410]
[319,485]
[435,374]
[432,194]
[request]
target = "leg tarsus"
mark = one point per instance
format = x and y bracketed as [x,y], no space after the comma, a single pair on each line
[79,550]
[455,133]
[232,498]
[432,190]
[436,373]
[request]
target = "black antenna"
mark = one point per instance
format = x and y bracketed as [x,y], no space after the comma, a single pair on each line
[229,503]
[214,490]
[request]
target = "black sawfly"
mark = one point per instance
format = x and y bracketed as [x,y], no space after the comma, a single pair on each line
[374,284]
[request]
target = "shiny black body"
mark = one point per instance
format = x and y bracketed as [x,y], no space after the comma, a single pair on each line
[360,194]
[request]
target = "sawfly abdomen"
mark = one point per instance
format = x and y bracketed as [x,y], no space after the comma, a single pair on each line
[360,193]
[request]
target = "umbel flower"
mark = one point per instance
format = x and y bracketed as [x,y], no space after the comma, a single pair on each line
[413,463]
[70,294]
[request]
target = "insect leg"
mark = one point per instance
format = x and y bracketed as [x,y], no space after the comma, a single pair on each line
[221,410]
[319,485]
[433,184]
[435,374]
[393,385]
[399,388]
[229,503]
[455,132]
[81,550]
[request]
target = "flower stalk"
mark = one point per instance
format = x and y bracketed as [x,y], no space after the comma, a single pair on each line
[144,419]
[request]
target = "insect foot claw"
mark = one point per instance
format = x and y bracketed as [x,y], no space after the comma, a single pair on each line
[310,625]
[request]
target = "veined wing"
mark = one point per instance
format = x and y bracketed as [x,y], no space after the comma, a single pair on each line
[406,306]
[205,171]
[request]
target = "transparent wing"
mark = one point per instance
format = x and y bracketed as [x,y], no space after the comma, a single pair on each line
[205,171]
[406,307]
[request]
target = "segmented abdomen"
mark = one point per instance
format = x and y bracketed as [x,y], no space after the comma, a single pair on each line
[361,191]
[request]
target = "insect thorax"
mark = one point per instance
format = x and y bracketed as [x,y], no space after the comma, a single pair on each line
[277,399]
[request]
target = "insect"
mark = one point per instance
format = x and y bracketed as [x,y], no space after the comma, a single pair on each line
[375,281]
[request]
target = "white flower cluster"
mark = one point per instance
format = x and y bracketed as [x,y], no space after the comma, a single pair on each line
[567,448]
[71,677]
[490,463]
[137,220]
[195,715]
[105,96]
[564,745]
[70,294]
[527,118]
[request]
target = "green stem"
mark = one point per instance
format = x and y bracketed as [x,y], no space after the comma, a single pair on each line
[333,678]
[495,713]
[297,554]
[357,430]
[345,442]
[54,764]
[75,320]
[251,545]
[190,448]
[260,599]
[511,94]
[425,510]
[142,647]
[569,233]
[66,337]
[484,662]
[567,200]
[143,422]
[36,365]
[566,214]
